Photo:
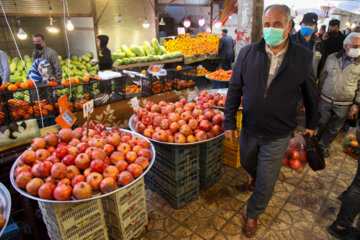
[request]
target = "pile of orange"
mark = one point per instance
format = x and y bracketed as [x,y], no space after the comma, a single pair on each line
[221,75]
[181,84]
[21,110]
[2,114]
[197,72]
[203,43]
[133,89]
[158,87]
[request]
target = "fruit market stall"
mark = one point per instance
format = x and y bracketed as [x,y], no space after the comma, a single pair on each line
[220,78]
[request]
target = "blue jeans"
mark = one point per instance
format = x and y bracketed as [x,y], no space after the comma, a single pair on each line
[331,121]
[350,206]
[261,158]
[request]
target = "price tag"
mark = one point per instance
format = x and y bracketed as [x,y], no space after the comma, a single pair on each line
[134,103]
[191,96]
[66,119]
[88,108]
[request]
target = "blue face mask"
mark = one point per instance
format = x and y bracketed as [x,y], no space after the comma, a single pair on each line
[306,31]
[273,36]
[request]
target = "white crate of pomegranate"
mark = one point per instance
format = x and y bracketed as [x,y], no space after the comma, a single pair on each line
[71,167]
[126,214]
[76,221]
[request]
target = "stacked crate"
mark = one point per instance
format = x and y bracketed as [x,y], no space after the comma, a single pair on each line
[231,150]
[210,162]
[74,221]
[175,173]
[126,215]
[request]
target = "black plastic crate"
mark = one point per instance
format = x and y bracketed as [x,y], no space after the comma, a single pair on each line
[48,121]
[180,81]
[132,86]
[24,104]
[77,94]
[177,201]
[210,162]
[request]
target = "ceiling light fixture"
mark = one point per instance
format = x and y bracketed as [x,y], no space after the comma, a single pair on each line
[201,22]
[146,24]
[187,23]
[217,24]
[162,22]
[21,34]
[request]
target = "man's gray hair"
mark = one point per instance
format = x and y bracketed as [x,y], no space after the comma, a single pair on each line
[350,37]
[285,8]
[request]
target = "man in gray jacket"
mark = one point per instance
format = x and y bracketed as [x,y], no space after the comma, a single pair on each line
[340,90]
[4,68]
[46,53]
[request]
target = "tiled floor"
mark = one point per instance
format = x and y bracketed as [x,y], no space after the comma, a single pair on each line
[302,206]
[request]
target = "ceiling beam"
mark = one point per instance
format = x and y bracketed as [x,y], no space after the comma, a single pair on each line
[46,15]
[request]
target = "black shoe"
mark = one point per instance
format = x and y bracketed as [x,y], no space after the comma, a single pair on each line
[326,153]
[347,234]
[341,196]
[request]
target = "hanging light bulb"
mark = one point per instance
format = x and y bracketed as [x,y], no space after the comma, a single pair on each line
[162,22]
[353,25]
[21,34]
[69,25]
[51,28]
[201,22]
[217,24]
[187,23]
[119,19]
[146,24]
[348,24]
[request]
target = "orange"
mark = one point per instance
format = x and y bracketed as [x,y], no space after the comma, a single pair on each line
[17,84]
[30,83]
[354,144]
[53,83]
[24,85]
[143,71]
[4,85]
[178,68]
[86,79]
[12,87]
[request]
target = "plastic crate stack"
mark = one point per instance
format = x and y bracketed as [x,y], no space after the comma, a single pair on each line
[210,163]
[126,214]
[180,78]
[231,150]
[175,174]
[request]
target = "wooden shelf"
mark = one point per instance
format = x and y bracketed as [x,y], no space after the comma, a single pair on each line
[144,64]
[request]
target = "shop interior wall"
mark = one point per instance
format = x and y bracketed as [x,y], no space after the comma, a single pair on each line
[177,14]
[130,31]
[30,26]
[82,39]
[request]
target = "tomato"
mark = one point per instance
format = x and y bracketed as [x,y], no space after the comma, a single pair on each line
[285,161]
[295,155]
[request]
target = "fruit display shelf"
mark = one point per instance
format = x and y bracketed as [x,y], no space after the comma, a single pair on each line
[132,127]
[96,194]
[222,91]
[5,205]
[144,64]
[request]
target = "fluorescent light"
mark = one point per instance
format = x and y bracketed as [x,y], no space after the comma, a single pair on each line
[201,22]
[21,34]
[187,23]
[69,25]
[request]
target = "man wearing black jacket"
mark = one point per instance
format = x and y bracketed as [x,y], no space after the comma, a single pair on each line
[270,75]
[226,50]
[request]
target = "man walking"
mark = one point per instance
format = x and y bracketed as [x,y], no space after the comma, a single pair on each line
[226,50]
[340,90]
[271,75]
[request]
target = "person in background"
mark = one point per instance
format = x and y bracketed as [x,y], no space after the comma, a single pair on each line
[307,38]
[339,85]
[357,29]
[292,31]
[226,50]
[4,68]
[333,38]
[46,53]
[342,227]
[347,31]
[321,32]
[105,61]
[270,75]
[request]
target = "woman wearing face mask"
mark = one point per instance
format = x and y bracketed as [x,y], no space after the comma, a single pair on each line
[340,90]
[105,61]
[307,38]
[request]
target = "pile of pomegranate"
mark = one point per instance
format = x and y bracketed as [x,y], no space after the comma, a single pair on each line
[215,99]
[179,122]
[69,164]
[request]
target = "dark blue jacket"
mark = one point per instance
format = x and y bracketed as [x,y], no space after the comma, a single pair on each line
[226,47]
[271,114]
